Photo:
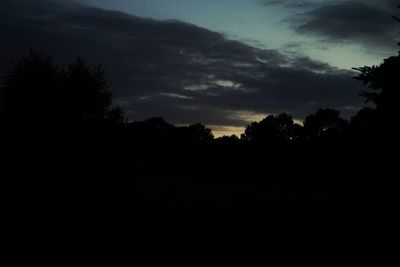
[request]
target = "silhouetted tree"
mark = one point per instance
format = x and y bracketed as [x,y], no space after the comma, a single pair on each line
[37,90]
[30,92]
[384,84]
[51,113]
[227,140]
[273,128]
[364,122]
[195,134]
[324,123]
[117,114]
[86,93]
[363,132]
[153,129]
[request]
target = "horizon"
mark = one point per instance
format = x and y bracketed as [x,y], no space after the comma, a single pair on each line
[224,64]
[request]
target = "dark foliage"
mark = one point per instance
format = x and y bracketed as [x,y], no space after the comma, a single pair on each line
[274,128]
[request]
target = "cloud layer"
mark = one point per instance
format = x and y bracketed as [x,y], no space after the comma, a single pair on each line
[289,3]
[367,23]
[173,69]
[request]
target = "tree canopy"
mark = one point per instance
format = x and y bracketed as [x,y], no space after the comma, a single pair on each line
[37,90]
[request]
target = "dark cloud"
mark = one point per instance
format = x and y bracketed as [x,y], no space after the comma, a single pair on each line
[367,23]
[174,69]
[289,3]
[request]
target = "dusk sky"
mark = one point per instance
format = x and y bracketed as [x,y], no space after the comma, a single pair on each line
[224,63]
[277,24]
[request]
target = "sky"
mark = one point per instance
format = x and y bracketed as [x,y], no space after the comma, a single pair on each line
[224,63]
[267,23]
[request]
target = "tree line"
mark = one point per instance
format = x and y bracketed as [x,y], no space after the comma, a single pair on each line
[60,120]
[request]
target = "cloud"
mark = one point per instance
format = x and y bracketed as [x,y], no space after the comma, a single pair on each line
[174,69]
[289,3]
[367,23]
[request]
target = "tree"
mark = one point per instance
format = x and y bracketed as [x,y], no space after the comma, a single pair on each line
[324,123]
[30,92]
[364,122]
[50,113]
[196,134]
[117,114]
[226,140]
[85,90]
[273,128]
[363,131]
[384,84]
[36,91]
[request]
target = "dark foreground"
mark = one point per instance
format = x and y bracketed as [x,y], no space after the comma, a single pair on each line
[163,221]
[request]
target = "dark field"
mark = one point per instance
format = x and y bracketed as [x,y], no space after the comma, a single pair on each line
[154,221]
